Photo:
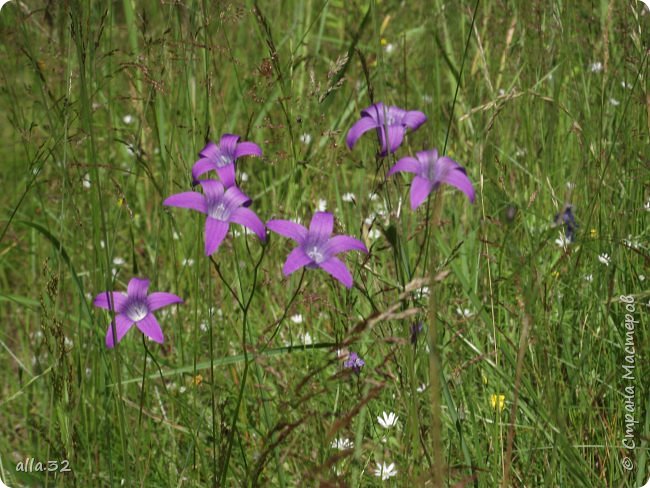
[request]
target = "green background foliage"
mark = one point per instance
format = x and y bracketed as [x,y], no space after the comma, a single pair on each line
[103,108]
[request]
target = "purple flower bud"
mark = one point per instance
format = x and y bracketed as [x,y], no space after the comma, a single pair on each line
[415,331]
[354,362]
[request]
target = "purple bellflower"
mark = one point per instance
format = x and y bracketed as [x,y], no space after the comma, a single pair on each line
[221,158]
[354,362]
[430,171]
[316,249]
[135,307]
[222,207]
[386,120]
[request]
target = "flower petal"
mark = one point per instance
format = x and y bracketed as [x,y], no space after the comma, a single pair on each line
[376,112]
[202,166]
[414,119]
[160,299]
[234,197]
[322,225]
[395,138]
[358,129]
[247,149]
[289,229]
[405,165]
[210,151]
[420,189]
[227,174]
[228,145]
[151,328]
[212,189]
[458,178]
[338,244]
[248,218]
[295,260]
[122,326]
[338,270]
[190,199]
[215,232]
[118,300]
[137,288]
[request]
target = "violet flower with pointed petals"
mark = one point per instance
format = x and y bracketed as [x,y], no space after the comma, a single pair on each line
[430,171]
[392,120]
[135,307]
[221,157]
[316,249]
[222,207]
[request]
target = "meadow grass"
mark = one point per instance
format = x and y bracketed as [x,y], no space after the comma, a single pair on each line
[104,107]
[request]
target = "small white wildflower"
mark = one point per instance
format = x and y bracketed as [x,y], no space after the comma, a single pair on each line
[520,152]
[502,92]
[244,176]
[203,326]
[421,388]
[389,48]
[88,372]
[562,241]
[342,443]
[305,139]
[641,278]
[373,196]
[614,102]
[296,319]
[424,291]
[127,119]
[626,85]
[182,389]
[374,234]
[589,278]
[306,339]
[647,206]
[348,197]
[175,236]
[604,258]
[85,181]
[384,471]
[570,185]
[118,261]
[102,244]
[67,342]
[387,420]
[322,205]
[188,262]
[596,67]
[464,312]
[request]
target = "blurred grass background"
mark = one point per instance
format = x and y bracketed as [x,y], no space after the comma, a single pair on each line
[104,106]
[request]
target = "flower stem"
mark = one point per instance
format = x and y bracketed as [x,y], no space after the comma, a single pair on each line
[435,361]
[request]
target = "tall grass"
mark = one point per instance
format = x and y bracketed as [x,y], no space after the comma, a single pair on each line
[104,107]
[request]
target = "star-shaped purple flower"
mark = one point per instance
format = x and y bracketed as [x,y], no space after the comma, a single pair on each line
[316,249]
[354,362]
[392,119]
[430,171]
[222,207]
[135,307]
[221,157]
